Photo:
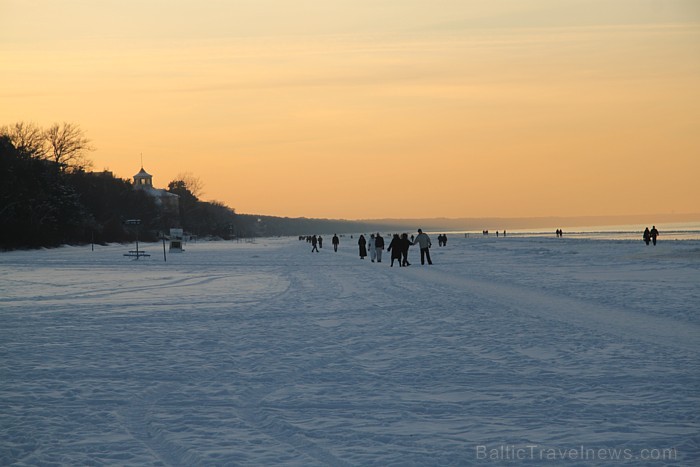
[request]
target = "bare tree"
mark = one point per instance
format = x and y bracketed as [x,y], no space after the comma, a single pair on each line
[192,183]
[27,138]
[67,146]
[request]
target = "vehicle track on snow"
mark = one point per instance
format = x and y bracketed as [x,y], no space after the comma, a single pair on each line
[598,317]
[252,407]
[136,419]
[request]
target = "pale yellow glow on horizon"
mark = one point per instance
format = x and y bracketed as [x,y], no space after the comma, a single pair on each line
[376,109]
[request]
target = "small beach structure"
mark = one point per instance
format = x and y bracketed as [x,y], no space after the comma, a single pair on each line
[177,239]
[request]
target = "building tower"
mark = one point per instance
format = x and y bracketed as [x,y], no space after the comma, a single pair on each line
[143,179]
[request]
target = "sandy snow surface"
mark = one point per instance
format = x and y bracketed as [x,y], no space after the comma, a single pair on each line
[539,351]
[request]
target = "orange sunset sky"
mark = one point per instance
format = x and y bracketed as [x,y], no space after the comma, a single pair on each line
[362,109]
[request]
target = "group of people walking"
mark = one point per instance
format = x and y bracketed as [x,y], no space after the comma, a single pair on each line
[400,244]
[317,242]
[650,235]
[398,247]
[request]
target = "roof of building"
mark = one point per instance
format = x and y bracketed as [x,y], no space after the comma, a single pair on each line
[142,174]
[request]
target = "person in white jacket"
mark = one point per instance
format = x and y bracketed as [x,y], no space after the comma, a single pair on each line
[372,251]
[424,242]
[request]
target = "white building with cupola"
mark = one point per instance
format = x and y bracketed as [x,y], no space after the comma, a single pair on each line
[167,201]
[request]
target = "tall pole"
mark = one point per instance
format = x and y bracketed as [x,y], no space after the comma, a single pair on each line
[135,222]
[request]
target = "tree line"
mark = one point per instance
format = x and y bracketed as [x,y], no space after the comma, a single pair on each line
[48,197]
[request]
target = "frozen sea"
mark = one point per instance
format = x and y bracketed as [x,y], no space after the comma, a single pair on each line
[506,351]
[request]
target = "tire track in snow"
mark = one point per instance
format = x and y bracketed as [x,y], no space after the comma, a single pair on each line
[119,289]
[135,420]
[251,408]
[336,297]
[605,319]
[256,416]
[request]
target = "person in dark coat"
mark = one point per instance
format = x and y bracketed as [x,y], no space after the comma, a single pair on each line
[363,246]
[379,246]
[335,241]
[646,236]
[314,242]
[654,233]
[395,248]
[405,245]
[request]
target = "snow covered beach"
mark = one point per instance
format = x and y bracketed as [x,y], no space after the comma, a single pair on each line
[506,351]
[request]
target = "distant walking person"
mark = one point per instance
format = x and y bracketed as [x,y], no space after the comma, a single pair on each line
[379,246]
[320,241]
[363,246]
[405,245]
[647,236]
[372,251]
[424,242]
[335,241]
[395,248]
[314,242]
[654,233]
